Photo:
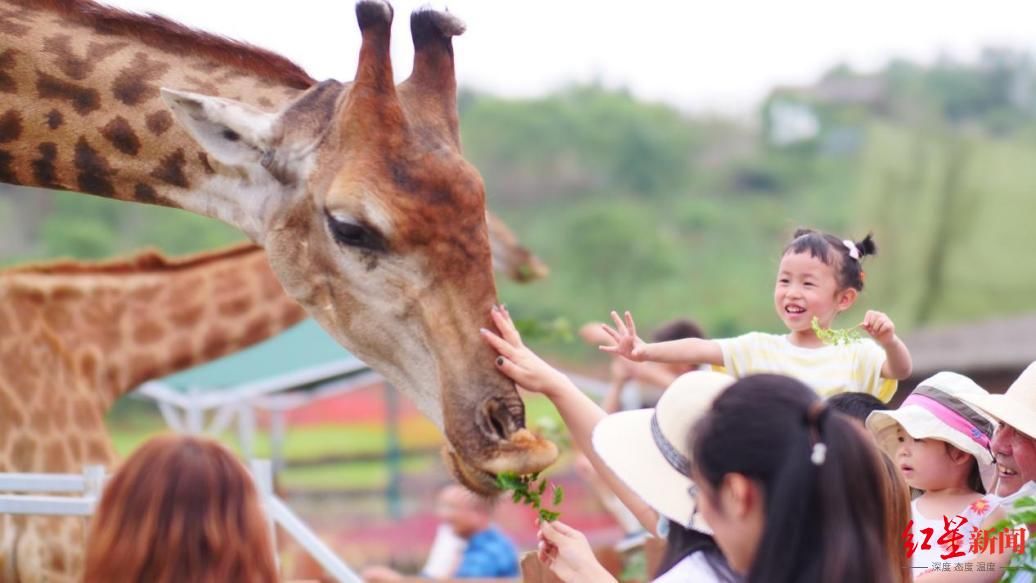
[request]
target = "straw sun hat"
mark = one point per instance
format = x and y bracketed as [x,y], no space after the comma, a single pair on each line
[1016,407]
[648,448]
[939,408]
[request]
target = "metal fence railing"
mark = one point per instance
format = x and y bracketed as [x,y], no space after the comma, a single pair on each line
[34,494]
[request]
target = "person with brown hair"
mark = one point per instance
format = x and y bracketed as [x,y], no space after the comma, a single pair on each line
[181,508]
[897,514]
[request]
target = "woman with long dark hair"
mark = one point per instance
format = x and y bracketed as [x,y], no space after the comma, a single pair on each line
[794,493]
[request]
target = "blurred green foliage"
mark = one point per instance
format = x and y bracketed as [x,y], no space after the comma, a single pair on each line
[640,206]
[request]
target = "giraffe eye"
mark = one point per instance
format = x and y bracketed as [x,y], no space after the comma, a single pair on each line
[356,235]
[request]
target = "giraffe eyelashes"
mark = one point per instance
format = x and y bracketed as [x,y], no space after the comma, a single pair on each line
[356,235]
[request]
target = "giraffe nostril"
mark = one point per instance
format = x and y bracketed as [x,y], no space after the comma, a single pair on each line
[495,420]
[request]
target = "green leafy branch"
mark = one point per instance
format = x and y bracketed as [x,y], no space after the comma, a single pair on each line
[526,490]
[556,329]
[1025,515]
[835,336]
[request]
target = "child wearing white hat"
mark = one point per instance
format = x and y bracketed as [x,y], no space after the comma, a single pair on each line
[941,444]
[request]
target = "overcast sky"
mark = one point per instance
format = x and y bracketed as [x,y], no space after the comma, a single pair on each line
[718,56]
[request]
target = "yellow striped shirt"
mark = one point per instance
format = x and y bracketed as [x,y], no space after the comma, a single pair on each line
[829,370]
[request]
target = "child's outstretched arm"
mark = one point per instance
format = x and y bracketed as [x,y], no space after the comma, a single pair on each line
[686,350]
[897,358]
[578,411]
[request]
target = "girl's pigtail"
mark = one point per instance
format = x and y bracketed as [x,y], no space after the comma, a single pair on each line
[867,246]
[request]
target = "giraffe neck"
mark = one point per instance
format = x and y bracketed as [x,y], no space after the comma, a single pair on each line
[123,323]
[80,108]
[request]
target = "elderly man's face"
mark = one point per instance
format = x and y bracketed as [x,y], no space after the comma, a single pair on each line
[1015,454]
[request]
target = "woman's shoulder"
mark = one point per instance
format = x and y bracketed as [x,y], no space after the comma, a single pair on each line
[693,567]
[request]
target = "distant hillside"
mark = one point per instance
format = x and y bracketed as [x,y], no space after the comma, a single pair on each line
[956,215]
[638,206]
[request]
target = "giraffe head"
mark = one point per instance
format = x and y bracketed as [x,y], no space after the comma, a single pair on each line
[373,220]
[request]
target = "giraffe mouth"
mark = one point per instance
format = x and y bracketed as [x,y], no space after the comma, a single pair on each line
[472,478]
[522,454]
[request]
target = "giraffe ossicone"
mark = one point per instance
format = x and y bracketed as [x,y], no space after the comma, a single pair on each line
[358,191]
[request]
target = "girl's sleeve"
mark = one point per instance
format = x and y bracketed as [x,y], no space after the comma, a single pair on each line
[870,358]
[739,353]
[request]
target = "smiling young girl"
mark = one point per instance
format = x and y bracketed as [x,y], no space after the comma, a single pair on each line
[820,276]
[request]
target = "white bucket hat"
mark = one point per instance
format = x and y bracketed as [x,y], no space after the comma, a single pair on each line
[648,449]
[939,408]
[1017,406]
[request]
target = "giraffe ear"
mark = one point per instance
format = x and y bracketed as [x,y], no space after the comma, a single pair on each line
[234,133]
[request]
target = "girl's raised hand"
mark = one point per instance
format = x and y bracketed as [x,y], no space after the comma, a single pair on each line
[516,361]
[627,343]
[879,326]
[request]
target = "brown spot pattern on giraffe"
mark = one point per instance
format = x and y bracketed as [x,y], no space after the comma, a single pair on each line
[23,452]
[205,165]
[171,169]
[44,170]
[57,317]
[184,355]
[147,332]
[10,126]
[7,173]
[96,451]
[88,365]
[215,344]
[83,414]
[40,420]
[159,121]
[137,82]
[84,100]
[74,66]
[187,316]
[7,84]
[121,135]
[256,330]
[10,410]
[11,28]
[205,66]
[202,86]
[235,307]
[55,459]
[145,367]
[145,193]
[145,293]
[55,119]
[94,173]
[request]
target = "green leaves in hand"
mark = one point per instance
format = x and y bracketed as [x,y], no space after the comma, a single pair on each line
[835,337]
[526,490]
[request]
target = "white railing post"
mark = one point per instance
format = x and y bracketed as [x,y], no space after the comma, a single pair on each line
[36,493]
[246,429]
[278,513]
[93,483]
[313,545]
[263,477]
[90,484]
